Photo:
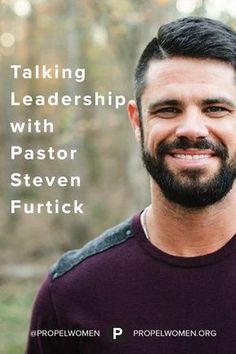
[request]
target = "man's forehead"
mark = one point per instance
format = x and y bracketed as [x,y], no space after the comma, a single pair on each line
[180,69]
[188,79]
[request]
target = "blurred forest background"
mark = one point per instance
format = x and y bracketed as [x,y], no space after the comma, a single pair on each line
[106,38]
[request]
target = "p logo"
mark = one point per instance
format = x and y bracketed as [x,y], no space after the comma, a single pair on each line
[116,332]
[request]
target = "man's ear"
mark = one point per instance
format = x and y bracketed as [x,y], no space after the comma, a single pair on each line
[134,119]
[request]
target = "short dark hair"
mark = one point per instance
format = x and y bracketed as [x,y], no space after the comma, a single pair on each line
[193,37]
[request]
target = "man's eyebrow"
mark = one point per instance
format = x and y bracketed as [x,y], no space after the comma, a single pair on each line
[219,100]
[174,102]
[164,102]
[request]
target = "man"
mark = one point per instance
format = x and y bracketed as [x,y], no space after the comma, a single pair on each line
[165,280]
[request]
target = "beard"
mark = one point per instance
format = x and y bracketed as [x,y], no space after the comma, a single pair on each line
[187,188]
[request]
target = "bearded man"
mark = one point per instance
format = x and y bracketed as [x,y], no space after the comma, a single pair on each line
[164,281]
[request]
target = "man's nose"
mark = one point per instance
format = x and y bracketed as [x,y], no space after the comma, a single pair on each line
[192,126]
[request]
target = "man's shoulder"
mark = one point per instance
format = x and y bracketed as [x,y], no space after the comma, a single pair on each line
[106,241]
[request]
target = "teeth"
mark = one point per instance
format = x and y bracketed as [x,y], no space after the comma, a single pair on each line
[191,157]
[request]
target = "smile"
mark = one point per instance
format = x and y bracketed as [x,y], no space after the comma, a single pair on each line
[191,157]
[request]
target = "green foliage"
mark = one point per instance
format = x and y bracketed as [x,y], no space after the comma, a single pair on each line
[16,300]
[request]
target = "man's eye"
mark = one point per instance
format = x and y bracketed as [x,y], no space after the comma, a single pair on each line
[217,111]
[168,109]
[167,112]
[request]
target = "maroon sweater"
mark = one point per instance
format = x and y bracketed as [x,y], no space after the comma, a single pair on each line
[119,283]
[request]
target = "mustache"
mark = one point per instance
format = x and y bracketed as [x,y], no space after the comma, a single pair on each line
[183,143]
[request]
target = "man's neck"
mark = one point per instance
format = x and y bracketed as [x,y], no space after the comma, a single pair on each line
[190,232]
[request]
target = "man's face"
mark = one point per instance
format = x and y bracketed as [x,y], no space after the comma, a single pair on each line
[188,132]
